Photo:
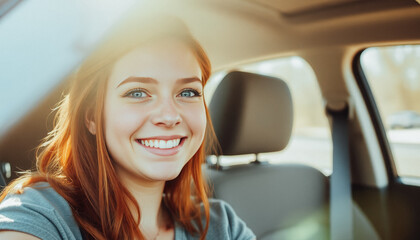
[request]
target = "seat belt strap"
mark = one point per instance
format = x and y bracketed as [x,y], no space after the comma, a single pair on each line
[2,178]
[341,219]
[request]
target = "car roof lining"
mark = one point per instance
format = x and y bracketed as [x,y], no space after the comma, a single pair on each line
[243,24]
[298,7]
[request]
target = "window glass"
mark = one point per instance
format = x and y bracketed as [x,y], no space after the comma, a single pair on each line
[393,74]
[311,142]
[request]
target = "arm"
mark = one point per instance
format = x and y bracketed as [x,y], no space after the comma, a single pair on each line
[14,235]
[39,211]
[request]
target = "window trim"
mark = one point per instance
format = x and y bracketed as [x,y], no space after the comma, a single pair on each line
[375,118]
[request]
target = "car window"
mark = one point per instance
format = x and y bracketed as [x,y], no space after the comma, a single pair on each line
[37,53]
[310,143]
[393,74]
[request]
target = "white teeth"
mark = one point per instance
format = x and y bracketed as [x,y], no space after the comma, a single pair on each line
[162,144]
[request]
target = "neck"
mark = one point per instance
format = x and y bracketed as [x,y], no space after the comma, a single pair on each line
[148,195]
[150,200]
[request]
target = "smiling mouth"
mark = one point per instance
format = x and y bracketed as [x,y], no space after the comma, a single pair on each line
[161,144]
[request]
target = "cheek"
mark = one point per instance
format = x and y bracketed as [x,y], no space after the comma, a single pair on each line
[121,121]
[196,118]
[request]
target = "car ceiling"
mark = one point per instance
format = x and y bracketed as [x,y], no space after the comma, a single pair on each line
[232,26]
[288,7]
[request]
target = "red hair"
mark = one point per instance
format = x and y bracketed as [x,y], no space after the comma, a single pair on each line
[78,166]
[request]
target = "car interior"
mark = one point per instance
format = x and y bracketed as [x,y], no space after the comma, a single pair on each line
[297,158]
[298,212]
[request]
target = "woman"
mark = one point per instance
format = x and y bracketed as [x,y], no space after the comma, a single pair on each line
[124,159]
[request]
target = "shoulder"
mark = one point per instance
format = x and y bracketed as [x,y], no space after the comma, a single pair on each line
[224,222]
[39,211]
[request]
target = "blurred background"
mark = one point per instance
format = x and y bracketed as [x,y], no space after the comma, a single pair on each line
[393,73]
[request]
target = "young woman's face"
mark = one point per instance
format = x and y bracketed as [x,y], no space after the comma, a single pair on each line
[154,115]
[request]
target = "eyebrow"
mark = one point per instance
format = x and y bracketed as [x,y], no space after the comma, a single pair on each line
[189,80]
[138,79]
[152,80]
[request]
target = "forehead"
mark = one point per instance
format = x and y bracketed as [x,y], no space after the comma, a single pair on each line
[162,59]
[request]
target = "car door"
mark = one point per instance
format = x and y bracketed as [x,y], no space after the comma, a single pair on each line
[389,80]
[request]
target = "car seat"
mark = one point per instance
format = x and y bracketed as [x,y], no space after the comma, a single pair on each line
[253,114]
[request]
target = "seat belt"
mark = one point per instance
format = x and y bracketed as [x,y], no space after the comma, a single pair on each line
[5,172]
[341,204]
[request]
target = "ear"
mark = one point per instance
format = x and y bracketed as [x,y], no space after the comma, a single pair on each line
[90,124]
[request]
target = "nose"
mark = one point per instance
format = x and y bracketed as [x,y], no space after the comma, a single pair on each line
[166,115]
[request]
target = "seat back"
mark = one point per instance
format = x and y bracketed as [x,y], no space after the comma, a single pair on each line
[253,114]
[273,199]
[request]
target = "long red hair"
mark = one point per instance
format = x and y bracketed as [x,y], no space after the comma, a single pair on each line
[77,164]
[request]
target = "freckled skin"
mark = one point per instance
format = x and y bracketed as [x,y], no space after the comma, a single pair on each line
[160,111]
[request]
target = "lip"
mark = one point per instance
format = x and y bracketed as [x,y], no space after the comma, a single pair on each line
[163,152]
[163,137]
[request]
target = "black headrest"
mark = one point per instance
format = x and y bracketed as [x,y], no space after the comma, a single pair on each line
[251,113]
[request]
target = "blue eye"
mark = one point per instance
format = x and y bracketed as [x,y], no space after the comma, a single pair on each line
[136,93]
[189,93]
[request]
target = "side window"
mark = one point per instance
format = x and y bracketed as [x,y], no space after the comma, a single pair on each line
[311,142]
[393,74]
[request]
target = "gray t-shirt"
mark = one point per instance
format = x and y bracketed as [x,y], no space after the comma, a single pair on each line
[42,212]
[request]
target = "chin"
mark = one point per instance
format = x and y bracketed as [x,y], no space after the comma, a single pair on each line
[161,177]
[165,174]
